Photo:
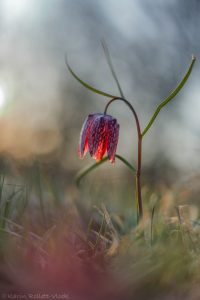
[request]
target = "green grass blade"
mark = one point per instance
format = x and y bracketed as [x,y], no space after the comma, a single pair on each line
[170,97]
[5,213]
[99,233]
[2,177]
[87,170]
[24,200]
[7,209]
[152,217]
[38,181]
[110,64]
[89,228]
[88,86]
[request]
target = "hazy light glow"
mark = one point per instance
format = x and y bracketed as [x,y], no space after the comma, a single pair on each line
[15,8]
[2,97]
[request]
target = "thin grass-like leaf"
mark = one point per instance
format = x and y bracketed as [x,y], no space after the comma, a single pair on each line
[152,217]
[19,236]
[88,86]
[89,228]
[109,221]
[47,235]
[23,201]
[110,64]
[7,208]
[103,238]
[87,170]
[7,231]
[181,226]
[5,213]
[2,177]
[21,228]
[99,233]
[38,181]
[170,97]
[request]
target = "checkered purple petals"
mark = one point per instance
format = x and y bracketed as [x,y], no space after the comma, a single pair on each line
[99,133]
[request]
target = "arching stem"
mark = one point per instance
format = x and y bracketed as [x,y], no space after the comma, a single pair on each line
[139,158]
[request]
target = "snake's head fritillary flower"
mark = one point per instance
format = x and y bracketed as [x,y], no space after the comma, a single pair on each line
[99,133]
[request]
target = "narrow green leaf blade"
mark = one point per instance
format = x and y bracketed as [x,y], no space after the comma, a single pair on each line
[128,164]
[110,64]
[170,97]
[91,88]
[87,170]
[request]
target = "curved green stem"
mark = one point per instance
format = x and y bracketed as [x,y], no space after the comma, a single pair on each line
[170,97]
[139,159]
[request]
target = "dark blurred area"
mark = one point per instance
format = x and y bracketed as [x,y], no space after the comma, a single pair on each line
[43,107]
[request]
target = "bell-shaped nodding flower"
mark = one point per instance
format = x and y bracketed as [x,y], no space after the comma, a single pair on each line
[99,133]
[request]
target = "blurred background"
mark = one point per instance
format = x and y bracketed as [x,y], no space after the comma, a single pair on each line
[42,107]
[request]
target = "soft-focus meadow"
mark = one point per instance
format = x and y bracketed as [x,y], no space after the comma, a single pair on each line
[82,242]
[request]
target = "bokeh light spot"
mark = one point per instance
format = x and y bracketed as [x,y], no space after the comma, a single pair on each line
[2,97]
